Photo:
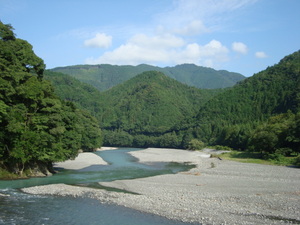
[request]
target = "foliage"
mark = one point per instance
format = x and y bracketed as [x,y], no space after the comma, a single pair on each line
[105,76]
[196,144]
[117,138]
[37,128]
[150,104]
[279,135]
[236,115]
[84,96]
[296,161]
[258,158]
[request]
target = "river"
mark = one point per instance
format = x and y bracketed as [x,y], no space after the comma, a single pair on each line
[17,207]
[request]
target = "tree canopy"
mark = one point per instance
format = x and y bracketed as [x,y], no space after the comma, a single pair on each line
[232,117]
[37,128]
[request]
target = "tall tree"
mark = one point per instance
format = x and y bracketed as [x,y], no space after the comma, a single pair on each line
[37,128]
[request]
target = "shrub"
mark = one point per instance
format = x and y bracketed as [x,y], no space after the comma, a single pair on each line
[284,151]
[297,161]
[195,144]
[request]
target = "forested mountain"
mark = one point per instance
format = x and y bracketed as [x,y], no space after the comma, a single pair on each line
[150,103]
[152,109]
[235,117]
[139,110]
[83,95]
[105,76]
[37,128]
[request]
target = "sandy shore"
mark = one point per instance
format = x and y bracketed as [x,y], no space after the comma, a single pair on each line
[83,160]
[215,192]
[169,155]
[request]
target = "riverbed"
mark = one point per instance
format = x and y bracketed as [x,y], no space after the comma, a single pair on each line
[17,207]
[215,192]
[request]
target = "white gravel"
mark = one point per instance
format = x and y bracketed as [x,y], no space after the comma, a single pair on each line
[216,192]
[83,160]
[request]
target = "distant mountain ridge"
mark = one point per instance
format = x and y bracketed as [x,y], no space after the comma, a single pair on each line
[105,76]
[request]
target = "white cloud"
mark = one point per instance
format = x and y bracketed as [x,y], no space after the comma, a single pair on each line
[260,55]
[163,50]
[101,40]
[175,40]
[239,47]
[141,49]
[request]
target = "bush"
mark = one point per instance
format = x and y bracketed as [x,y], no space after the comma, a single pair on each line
[284,151]
[297,161]
[196,144]
[277,158]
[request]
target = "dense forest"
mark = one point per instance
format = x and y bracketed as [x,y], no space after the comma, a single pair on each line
[105,76]
[139,111]
[263,107]
[148,106]
[37,128]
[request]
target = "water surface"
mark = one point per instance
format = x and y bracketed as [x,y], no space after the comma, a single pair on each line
[20,208]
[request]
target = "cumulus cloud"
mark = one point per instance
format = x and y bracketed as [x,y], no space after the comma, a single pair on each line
[239,47]
[166,49]
[101,40]
[206,55]
[261,55]
[141,49]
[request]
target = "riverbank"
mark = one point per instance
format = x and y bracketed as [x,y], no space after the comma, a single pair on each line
[83,160]
[215,192]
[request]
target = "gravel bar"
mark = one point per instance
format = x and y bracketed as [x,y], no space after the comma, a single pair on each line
[215,192]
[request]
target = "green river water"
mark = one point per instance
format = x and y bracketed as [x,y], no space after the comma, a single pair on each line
[20,208]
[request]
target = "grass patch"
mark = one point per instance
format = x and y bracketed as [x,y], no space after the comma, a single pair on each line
[5,175]
[255,157]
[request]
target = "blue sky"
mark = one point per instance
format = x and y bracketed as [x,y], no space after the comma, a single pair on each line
[243,36]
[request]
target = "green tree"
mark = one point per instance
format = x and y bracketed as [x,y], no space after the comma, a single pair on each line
[196,144]
[37,128]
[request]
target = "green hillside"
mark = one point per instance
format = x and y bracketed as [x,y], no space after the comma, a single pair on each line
[150,102]
[106,76]
[234,117]
[84,96]
[146,107]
